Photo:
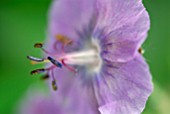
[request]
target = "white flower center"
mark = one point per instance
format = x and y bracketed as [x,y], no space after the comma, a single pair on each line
[89,57]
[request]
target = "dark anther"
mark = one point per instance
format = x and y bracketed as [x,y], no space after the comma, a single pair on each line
[140,50]
[37,71]
[55,62]
[38,45]
[54,85]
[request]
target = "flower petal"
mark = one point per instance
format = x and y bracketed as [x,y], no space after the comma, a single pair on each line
[74,19]
[67,16]
[123,88]
[78,99]
[125,25]
[38,103]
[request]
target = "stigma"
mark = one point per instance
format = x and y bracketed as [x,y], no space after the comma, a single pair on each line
[88,56]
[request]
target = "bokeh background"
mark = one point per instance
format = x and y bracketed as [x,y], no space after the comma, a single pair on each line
[24,22]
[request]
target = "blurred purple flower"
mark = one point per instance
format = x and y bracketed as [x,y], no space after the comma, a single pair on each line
[112,77]
[37,102]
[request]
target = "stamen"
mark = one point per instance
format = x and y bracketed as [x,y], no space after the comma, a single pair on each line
[55,62]
[42,70]
[89,58]
[38,71]
[35,59]
[63,39]
[54,85]
[38,45]
[141,51]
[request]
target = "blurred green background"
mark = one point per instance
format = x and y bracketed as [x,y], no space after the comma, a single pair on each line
[24,22]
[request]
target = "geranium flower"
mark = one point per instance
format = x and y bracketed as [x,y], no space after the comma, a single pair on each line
[93,55]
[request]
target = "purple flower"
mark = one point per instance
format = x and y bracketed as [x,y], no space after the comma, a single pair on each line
[94,50]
